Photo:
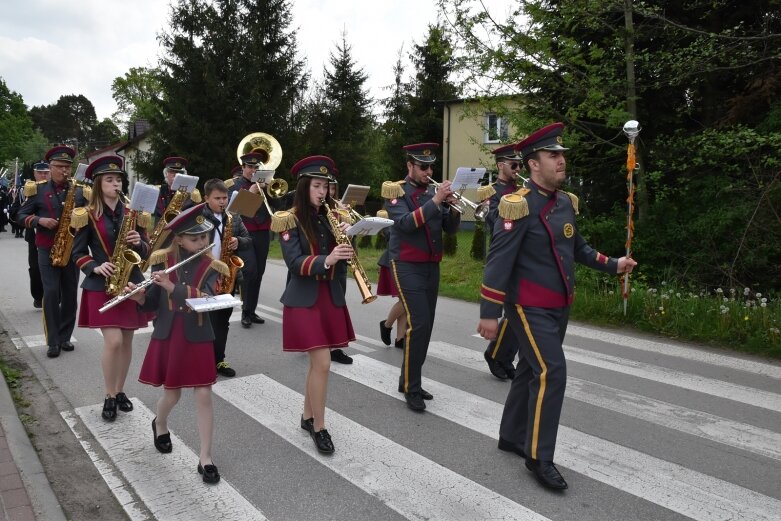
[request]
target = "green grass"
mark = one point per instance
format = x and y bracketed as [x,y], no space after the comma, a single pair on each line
[743,322]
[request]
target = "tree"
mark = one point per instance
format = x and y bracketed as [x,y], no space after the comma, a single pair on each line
[138,94]
[16,127]
[229,68]
[396,113]
[104,134]
[70,120]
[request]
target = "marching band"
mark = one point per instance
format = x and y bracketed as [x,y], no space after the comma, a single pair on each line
[193,249]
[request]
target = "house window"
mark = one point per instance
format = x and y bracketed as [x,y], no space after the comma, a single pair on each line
[496,129]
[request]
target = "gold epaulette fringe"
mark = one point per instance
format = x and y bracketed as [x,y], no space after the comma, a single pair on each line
[514,206]
[382,213]
[282,221]
[158,257]
[30,188]
[220,267]
[392,190]
[230,182]
[145,221]
[196,196]
[86,191]
[484,192]
[575,202]
[79,218]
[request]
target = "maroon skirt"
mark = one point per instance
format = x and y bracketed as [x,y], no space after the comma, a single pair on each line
[386,286]
[321,326]
[175,362]
[124,316]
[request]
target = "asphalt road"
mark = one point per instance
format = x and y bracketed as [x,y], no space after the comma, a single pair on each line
[651,429]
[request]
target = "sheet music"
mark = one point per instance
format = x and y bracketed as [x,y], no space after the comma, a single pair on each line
[369,226]
[467,177]
[81,169]
[202,304]
[230,208]
[246,203]
[144,198]
[185,182]
[355,195]
[263,176]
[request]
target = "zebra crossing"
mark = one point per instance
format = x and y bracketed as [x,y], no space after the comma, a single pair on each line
[416,484]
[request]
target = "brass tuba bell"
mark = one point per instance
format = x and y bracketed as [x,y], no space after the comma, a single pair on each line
[263,144]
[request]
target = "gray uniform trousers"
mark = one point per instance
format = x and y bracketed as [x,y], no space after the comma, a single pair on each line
[505,346]
[533,405]
[418,285]
[59,299]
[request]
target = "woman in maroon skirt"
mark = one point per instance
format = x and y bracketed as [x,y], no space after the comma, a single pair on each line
[181,352]
[98,226]
[386,286]
[315,317]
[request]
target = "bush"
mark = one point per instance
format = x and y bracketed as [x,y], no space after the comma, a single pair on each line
[478,243]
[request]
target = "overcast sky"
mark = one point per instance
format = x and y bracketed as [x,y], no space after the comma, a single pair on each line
[50,48]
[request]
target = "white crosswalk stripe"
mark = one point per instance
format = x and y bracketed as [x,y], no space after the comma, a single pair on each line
[667,484]
[739,435]
[168,485]
[410,484]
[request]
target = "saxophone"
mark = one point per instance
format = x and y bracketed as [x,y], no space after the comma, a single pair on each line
[159,235]
[60,254]
[123,257]
[364,285]
[225,283]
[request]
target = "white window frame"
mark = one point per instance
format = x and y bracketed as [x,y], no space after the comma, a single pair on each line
[499,127]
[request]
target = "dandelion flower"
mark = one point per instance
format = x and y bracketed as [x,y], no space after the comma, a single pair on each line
[719,291]
[746,291]
[758,295]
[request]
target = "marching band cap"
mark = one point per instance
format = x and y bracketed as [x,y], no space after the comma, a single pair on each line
[322,167]
[105,165]
[252,159]
[61,153]
[190,222]
[546,138]
[236,170]
[333,180]
[422,152]
[177,164]
[506,152]
[43,166]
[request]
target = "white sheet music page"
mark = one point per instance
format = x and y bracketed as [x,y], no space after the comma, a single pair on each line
[184,182]
[467,177]
[369,226]
[202,304]
[144,198]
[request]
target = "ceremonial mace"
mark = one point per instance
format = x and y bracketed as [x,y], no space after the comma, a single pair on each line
[631,129]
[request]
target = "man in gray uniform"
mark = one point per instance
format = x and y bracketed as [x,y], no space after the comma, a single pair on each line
[530,275]
[415,250]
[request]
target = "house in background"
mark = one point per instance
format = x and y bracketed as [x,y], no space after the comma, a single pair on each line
[137,143]
[471,129]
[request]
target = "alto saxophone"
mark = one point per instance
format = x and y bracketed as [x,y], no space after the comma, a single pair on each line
[225,283]
[364,285]
[60,254]
[123,257]
[159,235]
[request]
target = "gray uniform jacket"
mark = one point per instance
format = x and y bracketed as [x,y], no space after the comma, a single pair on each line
[531,260]
[197,278]
[305,260]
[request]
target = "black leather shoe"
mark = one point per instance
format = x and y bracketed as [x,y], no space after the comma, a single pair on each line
[246,322]
[308,425]
[423,393]
[67,346]
[210,473]
[109,409]
[337,355]
[322,440]
[256,319]
[37,304]
[399,343]
[385,333]
[546,473]
[415,401]
[162,442]
[225,370]
[123,403]
[509,368]
[53,351]
[509,446]
[496,369]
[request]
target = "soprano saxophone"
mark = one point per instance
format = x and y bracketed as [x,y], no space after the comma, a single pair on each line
[364,285]
[225,283]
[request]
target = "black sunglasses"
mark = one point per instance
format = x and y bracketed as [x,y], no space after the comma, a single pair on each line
[425,167]
[513,165]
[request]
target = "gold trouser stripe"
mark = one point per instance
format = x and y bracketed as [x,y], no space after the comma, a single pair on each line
[43,317]
[543,375]
[499,340]
[408,332]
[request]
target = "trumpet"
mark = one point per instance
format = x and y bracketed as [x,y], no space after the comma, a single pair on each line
[480,210]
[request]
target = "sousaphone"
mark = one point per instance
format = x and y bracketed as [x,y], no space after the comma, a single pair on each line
[263,144]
